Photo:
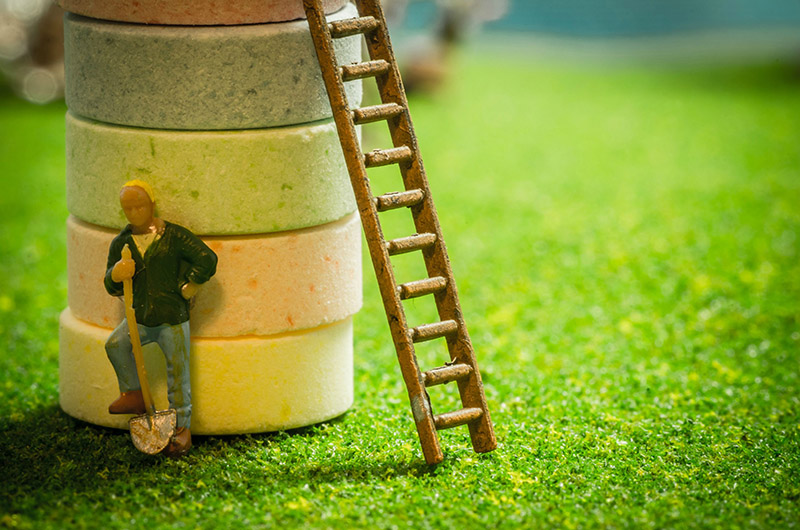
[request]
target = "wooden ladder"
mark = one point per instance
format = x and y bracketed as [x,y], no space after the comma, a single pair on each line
[463,367]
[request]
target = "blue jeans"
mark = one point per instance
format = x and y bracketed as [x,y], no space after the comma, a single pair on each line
[174,342]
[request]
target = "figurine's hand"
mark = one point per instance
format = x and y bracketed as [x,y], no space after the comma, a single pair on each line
[123,270]
[189,289]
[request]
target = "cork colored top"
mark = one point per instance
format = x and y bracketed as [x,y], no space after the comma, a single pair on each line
[194,12]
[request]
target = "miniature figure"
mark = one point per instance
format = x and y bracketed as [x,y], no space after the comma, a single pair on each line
[168,264]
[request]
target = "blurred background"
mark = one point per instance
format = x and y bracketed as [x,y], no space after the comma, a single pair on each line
[425,33]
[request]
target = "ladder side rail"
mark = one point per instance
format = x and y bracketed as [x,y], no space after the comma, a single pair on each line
[420,404]
[413,173]
[426,220]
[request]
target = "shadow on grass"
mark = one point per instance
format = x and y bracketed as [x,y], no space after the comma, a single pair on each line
[46,452]
[311,454]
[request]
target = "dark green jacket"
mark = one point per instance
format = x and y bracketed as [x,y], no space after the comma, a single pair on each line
[169,262]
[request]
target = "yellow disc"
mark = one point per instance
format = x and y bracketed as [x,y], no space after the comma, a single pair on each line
[239,385]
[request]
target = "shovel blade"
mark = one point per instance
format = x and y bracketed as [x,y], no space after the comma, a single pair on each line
[151,433]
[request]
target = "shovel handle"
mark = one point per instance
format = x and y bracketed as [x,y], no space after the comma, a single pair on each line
[136,343]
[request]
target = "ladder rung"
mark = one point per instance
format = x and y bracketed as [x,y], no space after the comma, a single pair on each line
[351,72]
[433,331]
[421,287]
[447,374]
[376,112]
[399,199]
[457,417]
[352,26]
[402,245]
[383,157]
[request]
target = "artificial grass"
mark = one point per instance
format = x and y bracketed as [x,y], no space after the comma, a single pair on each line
[626,247]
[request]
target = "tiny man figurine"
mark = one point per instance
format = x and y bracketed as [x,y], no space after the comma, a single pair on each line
[167,266]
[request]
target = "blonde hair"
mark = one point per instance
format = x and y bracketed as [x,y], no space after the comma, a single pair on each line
[141,184]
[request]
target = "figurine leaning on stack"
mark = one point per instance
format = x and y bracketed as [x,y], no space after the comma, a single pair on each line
[166,266]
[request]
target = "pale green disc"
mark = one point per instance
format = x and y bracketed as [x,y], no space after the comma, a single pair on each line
[212,182]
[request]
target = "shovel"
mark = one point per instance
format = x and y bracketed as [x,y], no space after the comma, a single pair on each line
[152,431]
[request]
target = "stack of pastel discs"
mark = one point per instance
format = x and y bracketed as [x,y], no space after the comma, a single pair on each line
[221,108]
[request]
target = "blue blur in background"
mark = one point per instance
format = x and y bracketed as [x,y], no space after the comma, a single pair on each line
[618,18]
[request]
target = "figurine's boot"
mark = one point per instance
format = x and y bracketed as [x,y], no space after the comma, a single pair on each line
[128,403]
[180,443]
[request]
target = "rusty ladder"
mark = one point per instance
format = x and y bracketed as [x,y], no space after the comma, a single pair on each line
[463,367]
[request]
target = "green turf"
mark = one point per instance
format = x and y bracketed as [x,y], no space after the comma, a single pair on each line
[626,243]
